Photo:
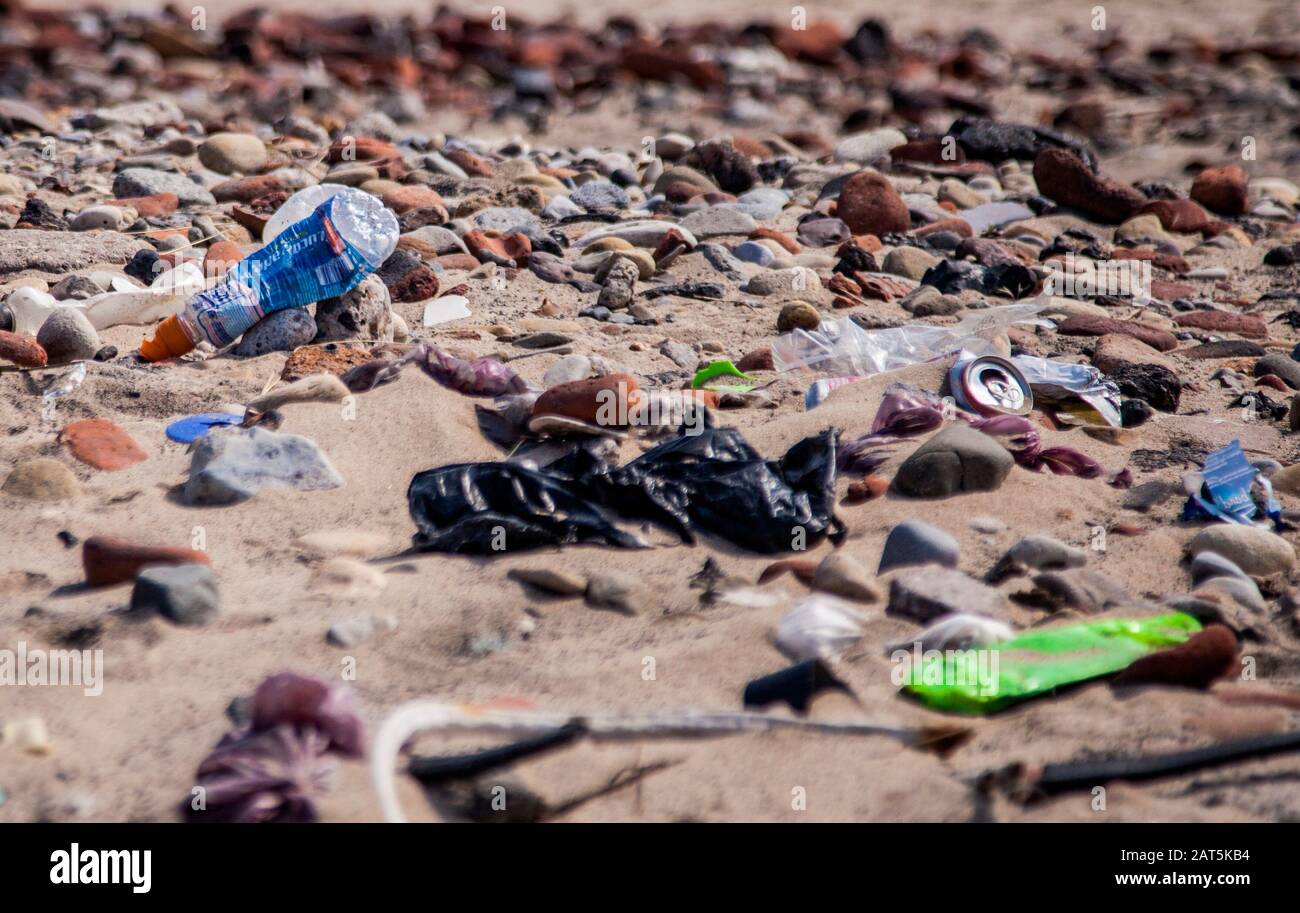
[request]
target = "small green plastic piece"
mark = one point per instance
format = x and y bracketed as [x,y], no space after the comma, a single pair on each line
[991,678]
[721,368]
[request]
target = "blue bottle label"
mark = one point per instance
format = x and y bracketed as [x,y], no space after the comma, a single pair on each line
[308,261]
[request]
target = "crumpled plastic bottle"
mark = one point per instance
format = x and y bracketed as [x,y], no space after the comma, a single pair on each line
[343,240]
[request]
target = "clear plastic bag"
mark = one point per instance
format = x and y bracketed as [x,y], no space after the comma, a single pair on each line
[1060,381]
[842,348]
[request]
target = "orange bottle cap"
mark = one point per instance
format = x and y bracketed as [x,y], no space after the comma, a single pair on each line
[169,341]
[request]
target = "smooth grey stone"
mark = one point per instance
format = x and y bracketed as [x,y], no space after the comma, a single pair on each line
[715,222]
[504,219]
[600,196]
[1207,565]
[143,182]
[67,335]
[917,542]
[753,252]
[957,459]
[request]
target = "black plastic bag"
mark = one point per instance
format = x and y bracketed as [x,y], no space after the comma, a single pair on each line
[711,482]
[467,507]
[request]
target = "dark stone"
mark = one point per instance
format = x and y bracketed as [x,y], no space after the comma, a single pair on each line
[951,276]
[143,266]
[38,214]
[1155,384]
[1281,365]
[991,141]
[854,259]
[1225,348]
[730,169]
[1286,255]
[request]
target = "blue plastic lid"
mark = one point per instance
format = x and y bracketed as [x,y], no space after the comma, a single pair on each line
[193,427]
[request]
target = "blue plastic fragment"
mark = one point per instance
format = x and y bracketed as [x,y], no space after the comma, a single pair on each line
[193,427]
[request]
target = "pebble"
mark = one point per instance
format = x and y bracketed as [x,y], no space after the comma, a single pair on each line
[644,233]
[185,594]
[822,232]
[21,350]
[760,203]
[1088,325]
[1243,592]
[844,576]
[93,218]
[717,222]
[1205,656]
[1159,386]
[729,168]
[1065,178]
[144,182]
[362,313]
[959,194]
[753,252]
[1207,565]
[550,580]
[1222,189]
[233,464]
[67,335]
[1081,589]
[586,400]
[1256,551]
[600,196]
[911,262]
[988,526]
[957,459]
[1042,553]
[102,444]
[1223,322]
[232,153]
[1281,365]
[1115,351]
[869,205]
[869,147]
[933,592]
[778,281]
[42,479]
[280,331]
[619,285]
[994,141]
[917,542]
[798,315]
[107,560]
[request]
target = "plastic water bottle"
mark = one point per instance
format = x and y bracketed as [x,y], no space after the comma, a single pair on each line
[343,240]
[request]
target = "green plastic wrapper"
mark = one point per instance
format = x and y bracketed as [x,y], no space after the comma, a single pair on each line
[995,676]
[721,368]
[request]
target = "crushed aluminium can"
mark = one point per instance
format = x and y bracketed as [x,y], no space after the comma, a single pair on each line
[990,385]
